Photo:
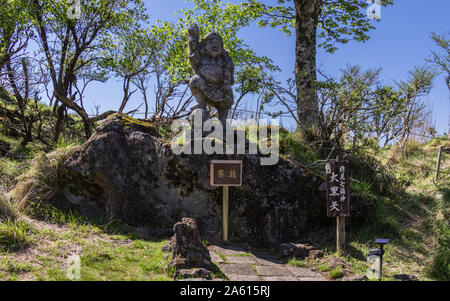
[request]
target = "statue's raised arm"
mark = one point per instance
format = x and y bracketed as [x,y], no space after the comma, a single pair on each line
[214,72]
[193,37]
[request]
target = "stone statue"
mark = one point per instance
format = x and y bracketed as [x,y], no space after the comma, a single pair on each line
[214,71]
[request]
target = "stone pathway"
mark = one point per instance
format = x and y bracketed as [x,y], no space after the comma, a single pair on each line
[239,265]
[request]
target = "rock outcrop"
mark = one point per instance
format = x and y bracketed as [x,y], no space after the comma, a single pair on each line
[127,171]
[190,258]
[300,251]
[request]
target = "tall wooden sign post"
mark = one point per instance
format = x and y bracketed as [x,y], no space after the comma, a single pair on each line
[338,198]
[225,173]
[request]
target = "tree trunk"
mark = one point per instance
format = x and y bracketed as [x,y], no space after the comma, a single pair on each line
[59,122]
[307,18]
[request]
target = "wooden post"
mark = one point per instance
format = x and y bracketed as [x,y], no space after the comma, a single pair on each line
[438,163]
[340,228]
[340,234]
[225,213]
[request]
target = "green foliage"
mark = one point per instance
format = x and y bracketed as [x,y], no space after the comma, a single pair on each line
[336,273]
[442,61]
[14,32]
[137,261]
[15,235]
[65,142]
[51,214]
[440,266]
[212,16]
[297,263]
[374,114]
[293,147]
[324,268]
[339,21]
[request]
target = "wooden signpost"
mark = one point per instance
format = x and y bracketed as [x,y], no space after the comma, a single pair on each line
[338,197]
[438,163]
[225,173]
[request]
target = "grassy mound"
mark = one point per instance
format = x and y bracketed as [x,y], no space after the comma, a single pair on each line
[43,180]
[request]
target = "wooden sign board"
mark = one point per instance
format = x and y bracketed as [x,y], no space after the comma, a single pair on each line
[226,173]
[338,189]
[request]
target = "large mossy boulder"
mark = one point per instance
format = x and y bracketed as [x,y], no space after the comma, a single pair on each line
[127,171]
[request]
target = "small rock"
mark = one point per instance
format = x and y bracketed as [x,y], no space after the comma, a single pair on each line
[170,245]
[190,258]
[335,262]
[406,277]
[316,254]
[299,251]
[193,273]
[346,272]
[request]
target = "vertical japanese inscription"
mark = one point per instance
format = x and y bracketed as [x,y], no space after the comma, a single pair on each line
[338,192]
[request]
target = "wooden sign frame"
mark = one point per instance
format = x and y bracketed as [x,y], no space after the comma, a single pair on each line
[216,163]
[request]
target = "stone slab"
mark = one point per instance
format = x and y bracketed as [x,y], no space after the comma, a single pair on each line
[235,277]
[215,257]
[272,270]
[267,261]
[237,268]
[241,259]
[302,272]
[312,279]
[228,251]
[279,278]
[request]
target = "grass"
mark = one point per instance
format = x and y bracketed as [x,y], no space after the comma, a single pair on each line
[297,263]
[10,268]
[139,260]
[43,180]
[15,235]
[336,273]
[7,211]
[51,214]
[222,256]
[324,268]
[102,256]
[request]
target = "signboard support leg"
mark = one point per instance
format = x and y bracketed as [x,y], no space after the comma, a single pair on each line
[225,213]
[340,234]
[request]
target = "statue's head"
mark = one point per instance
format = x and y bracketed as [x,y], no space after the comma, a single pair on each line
[213,44]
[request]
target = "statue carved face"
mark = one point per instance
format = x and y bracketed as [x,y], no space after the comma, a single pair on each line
[214,46]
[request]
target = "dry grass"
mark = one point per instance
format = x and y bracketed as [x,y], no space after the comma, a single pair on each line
[7,211]
[43,180]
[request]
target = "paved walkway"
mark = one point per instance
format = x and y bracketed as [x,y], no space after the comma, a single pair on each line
[239,265]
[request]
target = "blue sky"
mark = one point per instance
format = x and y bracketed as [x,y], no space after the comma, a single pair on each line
[400,41]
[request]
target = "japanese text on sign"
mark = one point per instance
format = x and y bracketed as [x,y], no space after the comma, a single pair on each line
[337,189]
[226,173]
